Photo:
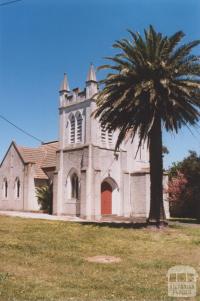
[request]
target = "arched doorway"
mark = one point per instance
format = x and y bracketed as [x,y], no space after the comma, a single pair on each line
[106,198]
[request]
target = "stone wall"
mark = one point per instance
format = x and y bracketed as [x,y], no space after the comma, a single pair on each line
[11,169]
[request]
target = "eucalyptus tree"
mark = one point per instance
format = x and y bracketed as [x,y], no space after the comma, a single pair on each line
[153,84]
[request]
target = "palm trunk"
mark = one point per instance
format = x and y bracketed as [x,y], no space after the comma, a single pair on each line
[157,213]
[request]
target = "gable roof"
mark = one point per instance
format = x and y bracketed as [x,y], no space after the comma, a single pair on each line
[13,144]
[43,157]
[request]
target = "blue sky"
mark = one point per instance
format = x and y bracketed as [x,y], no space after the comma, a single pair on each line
[42,39]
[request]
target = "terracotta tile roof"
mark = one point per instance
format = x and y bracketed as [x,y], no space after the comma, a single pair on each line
[43,157]
[50,154]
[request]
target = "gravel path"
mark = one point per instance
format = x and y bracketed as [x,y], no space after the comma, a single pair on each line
[41,216]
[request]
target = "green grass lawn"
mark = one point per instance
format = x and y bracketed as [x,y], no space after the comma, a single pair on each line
[45,260]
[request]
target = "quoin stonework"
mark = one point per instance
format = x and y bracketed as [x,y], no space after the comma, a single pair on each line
[88,178]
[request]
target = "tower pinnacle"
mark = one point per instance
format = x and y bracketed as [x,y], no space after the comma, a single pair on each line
[64,85]
[91,76]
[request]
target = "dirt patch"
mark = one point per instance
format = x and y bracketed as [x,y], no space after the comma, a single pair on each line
[104,259]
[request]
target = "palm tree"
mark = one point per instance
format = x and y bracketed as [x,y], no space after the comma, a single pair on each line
[153,85]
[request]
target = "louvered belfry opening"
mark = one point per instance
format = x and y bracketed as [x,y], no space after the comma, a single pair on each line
[79,128]
[103,135]
[72,129]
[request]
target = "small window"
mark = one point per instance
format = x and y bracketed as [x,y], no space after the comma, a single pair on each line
[17,188]
[5,188]
[75,190]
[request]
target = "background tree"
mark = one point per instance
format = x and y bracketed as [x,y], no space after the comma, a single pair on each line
[153,84]
[165,150]
[176,194]
[184,187]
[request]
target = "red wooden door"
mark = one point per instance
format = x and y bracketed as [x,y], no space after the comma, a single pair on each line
[106,198]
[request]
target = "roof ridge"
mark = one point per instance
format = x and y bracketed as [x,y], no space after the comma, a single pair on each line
[50,142]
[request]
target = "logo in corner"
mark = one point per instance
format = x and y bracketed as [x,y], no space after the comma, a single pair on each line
[182,281]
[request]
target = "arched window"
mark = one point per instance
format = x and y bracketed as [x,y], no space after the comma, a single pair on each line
[79,120]
[5,188]
[17,188]
[72,129]
[74,186]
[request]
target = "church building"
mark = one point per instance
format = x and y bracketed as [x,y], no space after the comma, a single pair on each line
[89,179]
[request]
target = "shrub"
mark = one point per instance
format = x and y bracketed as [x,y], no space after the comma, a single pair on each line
[44,196]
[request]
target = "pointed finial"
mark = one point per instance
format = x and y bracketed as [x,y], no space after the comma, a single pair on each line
[65,85]
[91,74]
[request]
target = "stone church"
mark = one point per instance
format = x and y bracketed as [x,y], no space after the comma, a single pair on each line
[89,179]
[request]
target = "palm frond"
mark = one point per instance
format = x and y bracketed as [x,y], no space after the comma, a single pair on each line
[150,76]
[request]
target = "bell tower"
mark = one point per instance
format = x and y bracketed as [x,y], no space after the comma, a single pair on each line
[78,133]
[77,126]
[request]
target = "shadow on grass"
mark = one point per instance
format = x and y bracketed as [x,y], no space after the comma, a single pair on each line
[185,220]
[116,225]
